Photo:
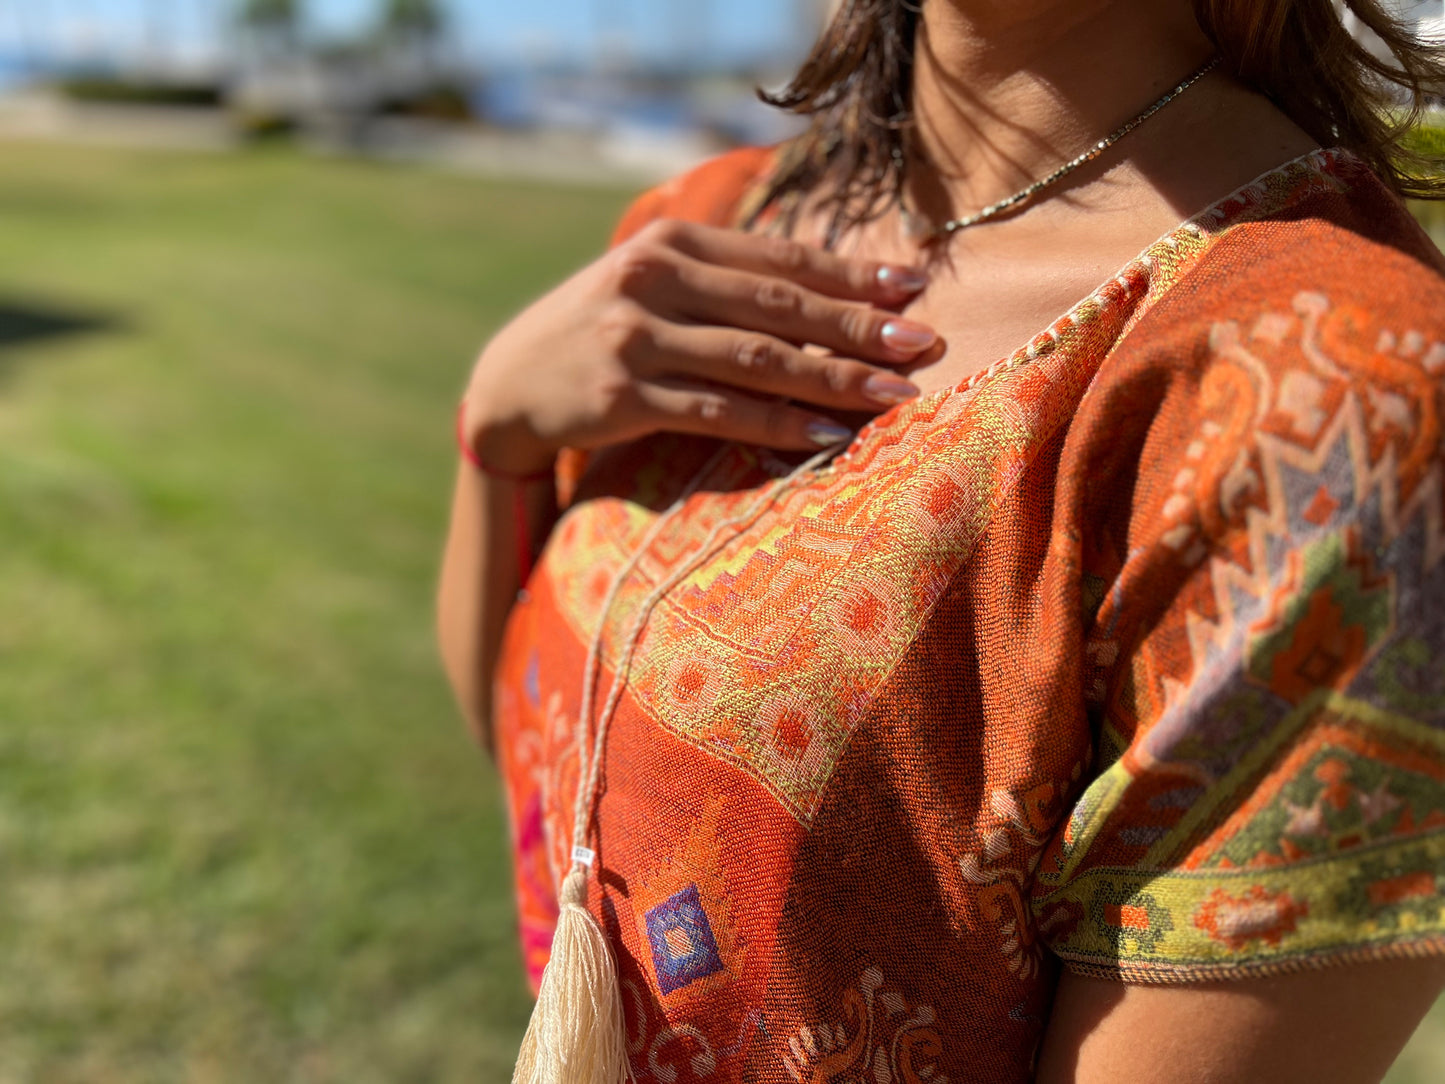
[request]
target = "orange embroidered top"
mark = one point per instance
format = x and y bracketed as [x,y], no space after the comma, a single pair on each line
[1127,653]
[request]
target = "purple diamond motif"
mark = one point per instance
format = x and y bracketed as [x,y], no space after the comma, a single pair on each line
[683,947]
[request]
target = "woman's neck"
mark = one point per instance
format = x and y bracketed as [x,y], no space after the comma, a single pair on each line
[1007,90]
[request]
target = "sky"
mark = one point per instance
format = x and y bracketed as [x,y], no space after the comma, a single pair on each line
[484,29]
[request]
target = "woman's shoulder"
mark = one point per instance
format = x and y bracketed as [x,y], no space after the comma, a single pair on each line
[1258,474]
[1316,273]
[1306,341]
[1326,227]
[709,193]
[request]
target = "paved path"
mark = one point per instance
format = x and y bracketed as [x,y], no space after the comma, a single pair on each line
[616,158]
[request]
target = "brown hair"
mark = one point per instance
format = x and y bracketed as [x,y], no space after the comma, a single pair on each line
[856,83]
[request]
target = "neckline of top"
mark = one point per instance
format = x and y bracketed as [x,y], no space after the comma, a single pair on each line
[1272,191]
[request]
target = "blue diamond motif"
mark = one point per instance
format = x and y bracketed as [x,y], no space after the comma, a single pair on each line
[683,947]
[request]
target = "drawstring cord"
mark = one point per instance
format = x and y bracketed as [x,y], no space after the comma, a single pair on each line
[576,1034]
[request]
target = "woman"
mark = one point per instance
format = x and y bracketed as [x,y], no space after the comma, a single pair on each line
[1121,652]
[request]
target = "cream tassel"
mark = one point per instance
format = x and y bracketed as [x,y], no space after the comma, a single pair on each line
[576,1035]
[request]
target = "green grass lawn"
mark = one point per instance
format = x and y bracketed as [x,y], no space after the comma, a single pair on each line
[1432,217]
[242,836]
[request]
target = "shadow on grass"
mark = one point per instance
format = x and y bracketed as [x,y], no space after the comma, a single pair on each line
[23,322]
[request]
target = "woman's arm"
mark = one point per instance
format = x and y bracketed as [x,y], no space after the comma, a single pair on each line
[479,581]
[1337,1025]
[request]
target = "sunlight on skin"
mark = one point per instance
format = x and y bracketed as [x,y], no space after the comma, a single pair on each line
[1338,1025]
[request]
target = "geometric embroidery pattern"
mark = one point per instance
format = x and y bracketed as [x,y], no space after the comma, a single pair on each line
[1303,767]
[683,948]
[768,655]
[851,563]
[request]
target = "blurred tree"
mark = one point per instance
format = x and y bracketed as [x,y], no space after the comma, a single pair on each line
[270,30]
[276,20]
[415,19]
[412,32]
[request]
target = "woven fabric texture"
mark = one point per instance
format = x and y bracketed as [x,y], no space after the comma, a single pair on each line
[1125,654]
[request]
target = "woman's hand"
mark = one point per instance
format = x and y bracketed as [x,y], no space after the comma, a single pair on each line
[700,330]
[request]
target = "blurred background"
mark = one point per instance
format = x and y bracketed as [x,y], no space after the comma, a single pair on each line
[247,250]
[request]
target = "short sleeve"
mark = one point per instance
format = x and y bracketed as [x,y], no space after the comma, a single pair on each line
[1267,662]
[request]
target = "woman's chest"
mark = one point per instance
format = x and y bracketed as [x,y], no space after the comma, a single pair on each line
[847,725]
[987,304]
[761,617]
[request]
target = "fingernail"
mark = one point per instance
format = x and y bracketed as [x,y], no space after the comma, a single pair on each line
[907,337]
[825,433]
[888,389]
[908,280]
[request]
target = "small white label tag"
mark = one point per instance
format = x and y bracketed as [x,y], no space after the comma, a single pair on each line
[584,855]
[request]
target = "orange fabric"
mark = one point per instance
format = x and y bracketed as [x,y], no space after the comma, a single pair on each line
[709,194]
[1122,653]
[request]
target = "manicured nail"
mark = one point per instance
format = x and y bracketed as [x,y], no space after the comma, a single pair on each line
[825,433]
[888,389]
[906,280]
[907,337]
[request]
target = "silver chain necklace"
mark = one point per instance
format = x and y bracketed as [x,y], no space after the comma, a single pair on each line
[921,230]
